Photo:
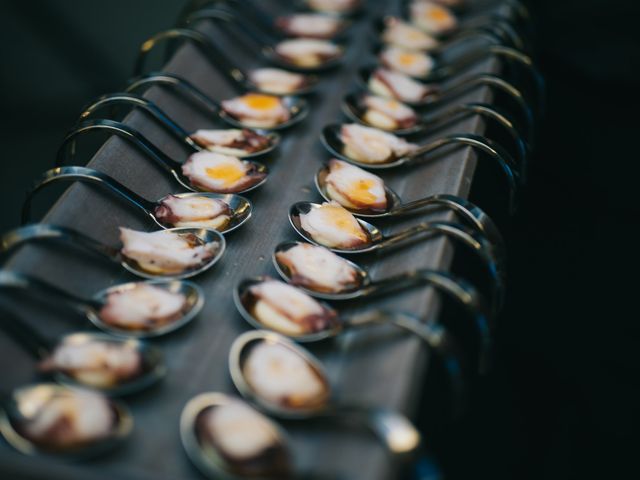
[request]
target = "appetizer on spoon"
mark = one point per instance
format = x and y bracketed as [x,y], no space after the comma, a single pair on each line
[48,419]
[174,253]
[220,212]
[137,309]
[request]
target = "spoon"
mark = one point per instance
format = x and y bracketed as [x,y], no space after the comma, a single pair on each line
[175,130]
[396,432]
[216,56]
[20,406]
[209,457]
[91,307]
[298,108]
[240,207]
[332,141]
[44,232]
[168,164]
[152,366]
[441,95]
[354,108]
[265,43]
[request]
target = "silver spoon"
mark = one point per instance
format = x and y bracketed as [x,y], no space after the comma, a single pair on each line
[166,122]
[266,45]
[168,164]
[218,59]
[240,207]
[152,366]
[44,232]
[18,409]
[91,307]
[298,107]
[393,429]
[332,141]
[212,461]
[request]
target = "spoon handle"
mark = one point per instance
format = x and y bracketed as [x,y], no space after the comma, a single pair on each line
[88,175]
[122,130]
[258,14]
[25,335]
[484,145]
[136,101]
[216,56]
[178,84]
[41,231]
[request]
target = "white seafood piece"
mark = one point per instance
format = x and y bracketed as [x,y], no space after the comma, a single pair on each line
[165,252]
[307,52]
[409,62]
[231,141]
[276,80]
[193,211]
[257,110]
[219,173]
[397,85]
[388,113]
[289,310]
[333,226]
[405,35]
[281,376]
[142,307]
[371,145]
[310,25]
[432,17]
[239,431]
[65,419]
[355,188]
[318,268]
[333,6]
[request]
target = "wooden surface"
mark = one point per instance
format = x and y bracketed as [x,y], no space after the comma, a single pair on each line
[376,367]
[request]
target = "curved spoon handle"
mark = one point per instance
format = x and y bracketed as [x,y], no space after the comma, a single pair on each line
[494,261]
[25,335]
[497,27]
[216,57]
[136,101]
[41,231]
[178,84]
[88,175]
[484,145]
[434,335]
[124,131]
[497,83]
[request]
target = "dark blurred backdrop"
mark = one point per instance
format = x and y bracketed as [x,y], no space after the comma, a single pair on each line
[562,401]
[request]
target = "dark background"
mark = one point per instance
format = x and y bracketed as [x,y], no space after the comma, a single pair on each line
[562,401]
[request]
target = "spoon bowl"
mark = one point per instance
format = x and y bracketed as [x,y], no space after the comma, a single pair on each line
[298,110]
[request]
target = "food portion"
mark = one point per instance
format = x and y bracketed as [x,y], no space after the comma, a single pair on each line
[61,419]
[310,25]
[333,6]
[248,442]
[282,376]
[288,310]
[409,62]
[95,363]
[278,81]
[165,252]
[193,211]
[370,145]
[355,188]
[307,52]
[333,226]
[230,141]
[387,113]
[318,269]
[217,173]
[143,307]
[404,35]
[399,86]
[257,110]
[431,17]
